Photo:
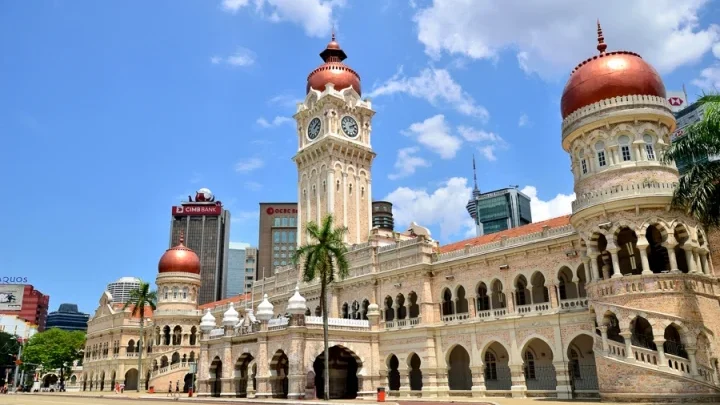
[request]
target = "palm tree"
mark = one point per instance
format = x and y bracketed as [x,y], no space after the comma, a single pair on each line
[139,299]
[323,254]
[698,191]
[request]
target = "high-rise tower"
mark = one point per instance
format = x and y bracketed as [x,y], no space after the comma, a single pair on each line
[334,154]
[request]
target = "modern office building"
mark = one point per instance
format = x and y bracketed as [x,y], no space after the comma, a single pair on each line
[277,237]
[25,302]
[120,289]
[206,226]
[242,262]
[67,317]
[382,216]
[687,116]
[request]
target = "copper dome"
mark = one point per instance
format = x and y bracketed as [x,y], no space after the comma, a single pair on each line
[333,71]
[179,259]
[607,75]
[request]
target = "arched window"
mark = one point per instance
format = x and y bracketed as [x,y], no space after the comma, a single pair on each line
[529,365]
[175,292]
[490,366]
[583,163]
[574,364]
[185,293]
[165,292]
[624,142]
[649,148]
[600,149]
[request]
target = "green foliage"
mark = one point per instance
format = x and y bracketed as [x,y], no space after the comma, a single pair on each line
[324,252]
[698,191]
[54,348]
[140,298]
[8,347]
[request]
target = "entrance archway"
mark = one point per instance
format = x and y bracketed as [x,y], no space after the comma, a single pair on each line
[49,380]
[537,366]
[131,380]
[415,373]
[102,381]
[581,365]
[393,373]
[344,365]
[279,368]
[459,375]
[241,375]
[215,377]
[187,382]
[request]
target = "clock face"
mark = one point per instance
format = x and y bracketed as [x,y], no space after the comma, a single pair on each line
[314,128]
[349,126]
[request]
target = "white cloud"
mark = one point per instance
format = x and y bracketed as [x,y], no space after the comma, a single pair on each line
[443,207]
[253,185]
[285,100]
[239,245]
[557,35]
[276,122]
[314,16]
[557,206]
[242,216]
[716,50]
[407,163]
[488,152]
[248,165]
[524,121]
[709,79]
[434,134]
[241,57]
[475,135]
[437,87]
[215,60]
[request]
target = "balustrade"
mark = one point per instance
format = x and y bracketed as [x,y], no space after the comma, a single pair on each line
[455,317]
[574,303]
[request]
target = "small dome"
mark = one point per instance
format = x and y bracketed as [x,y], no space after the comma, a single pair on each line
[230,317]
[179,259]
[207,322]
[296,303]
[333,71]
[608,75]
[265,309]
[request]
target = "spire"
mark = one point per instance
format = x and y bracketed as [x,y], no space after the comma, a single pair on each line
[602,46]
[182,237]
[474,173]
[333,52]
[332,39]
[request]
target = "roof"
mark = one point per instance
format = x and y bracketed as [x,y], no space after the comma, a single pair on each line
[510,233]
[237,298]
[119,307]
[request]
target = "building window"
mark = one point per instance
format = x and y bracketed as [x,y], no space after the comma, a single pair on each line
[276,237]
[276,262]
[293,221]
[649,147]
[584,166]
[175,293]
[165,292]
[284,221]
[283,239]
[185,293]
[624,142]
[276,221]
[600,149]
[291,236]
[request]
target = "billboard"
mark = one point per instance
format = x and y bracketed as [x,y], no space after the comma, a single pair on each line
[185,210]
[677,100]
[11,297]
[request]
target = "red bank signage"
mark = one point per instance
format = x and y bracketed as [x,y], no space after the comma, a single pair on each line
[184,210]
[273,211]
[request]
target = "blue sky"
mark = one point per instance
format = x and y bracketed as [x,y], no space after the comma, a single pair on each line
[110,112]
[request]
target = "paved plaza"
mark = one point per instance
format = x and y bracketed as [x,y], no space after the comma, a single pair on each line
[135,398]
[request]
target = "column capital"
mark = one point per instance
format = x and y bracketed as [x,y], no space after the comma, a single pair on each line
[626,334]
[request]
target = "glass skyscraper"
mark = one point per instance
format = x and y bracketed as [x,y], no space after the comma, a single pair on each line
[67,317]
[242,262]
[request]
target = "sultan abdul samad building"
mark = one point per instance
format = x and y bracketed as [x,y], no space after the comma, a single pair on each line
[618,299]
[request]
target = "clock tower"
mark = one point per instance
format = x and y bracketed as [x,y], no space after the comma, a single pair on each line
[334,154]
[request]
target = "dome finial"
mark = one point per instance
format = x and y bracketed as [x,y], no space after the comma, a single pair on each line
[602,46]
[182,236]
[333,33]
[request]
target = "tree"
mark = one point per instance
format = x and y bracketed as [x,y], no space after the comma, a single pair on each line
[698,191]
[9,346]
[55,348]
[140,298]
[322,255]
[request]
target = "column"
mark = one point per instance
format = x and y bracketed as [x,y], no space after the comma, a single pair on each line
[689,257]
[642,245]
[478,380]
[404,379]
[588,269]
[603,334]
[704,262]
[358,190]
[330,191]
[369,201]
[296,369]
[693,361]
[628,345]
[263,362]
[345,195]
[696,258]
[615,261]
[553,295]
[593,265]
[510,304]
[426,306]
[660,343]
[670,244]
[472,307]
[518,388]
[564,389]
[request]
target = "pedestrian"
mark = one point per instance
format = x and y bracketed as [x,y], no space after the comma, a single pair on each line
[170,389]
[117,387]
[122,387]
[177,386]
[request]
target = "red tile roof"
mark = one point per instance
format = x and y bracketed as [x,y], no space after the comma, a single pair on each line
[510,233]
[237,298]
[118,306]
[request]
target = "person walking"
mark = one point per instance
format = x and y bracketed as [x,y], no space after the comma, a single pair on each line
[170,389]
[177,386]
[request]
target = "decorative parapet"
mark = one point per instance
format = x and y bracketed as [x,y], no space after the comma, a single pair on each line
[505,243]
[339,323]
[577,118]
[623,191]
[653,283]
